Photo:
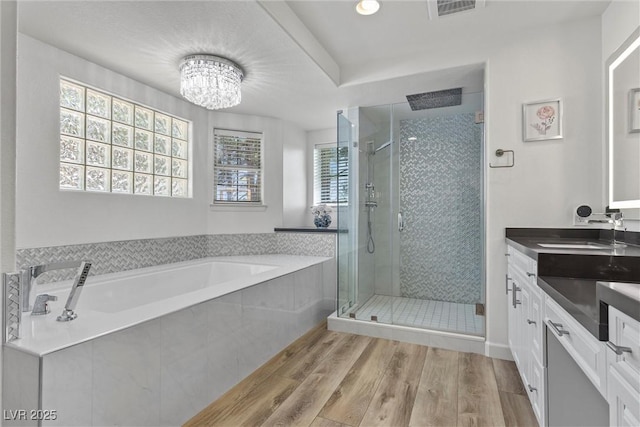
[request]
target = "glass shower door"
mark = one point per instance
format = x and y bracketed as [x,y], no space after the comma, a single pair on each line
[439,200]
[347,226]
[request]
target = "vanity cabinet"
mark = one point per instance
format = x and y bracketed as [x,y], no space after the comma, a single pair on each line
[623,362]
[584,348]
[525,326]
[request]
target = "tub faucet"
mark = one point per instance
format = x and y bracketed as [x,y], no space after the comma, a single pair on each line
[29,275]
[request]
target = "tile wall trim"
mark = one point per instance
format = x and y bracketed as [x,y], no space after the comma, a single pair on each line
[111,257]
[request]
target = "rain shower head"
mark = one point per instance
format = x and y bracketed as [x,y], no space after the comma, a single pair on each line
[436,99]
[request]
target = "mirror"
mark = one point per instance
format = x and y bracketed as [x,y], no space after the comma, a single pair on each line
[623,124]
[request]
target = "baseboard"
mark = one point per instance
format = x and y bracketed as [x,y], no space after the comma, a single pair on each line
[426,337]
[499,351]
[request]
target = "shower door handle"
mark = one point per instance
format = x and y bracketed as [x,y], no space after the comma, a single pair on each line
[400,222]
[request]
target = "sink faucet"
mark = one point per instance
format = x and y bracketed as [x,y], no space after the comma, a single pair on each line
[29,275]
[617,226]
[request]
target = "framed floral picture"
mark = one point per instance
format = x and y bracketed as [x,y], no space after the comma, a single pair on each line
[542,120]
[634,110]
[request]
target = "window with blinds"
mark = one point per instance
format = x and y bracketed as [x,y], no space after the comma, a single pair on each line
[237,167]
[330,174]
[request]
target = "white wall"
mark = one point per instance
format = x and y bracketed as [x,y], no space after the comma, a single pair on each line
[315,137]
[278,135]
[619,21]
[8,25]
[295,173]
[550,178]
[47,216]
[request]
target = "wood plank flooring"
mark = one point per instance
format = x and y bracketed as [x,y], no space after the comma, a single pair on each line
[332,379]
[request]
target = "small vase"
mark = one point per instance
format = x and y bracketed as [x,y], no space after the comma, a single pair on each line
[322,221]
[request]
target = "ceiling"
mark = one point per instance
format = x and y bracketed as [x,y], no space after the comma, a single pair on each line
[403,28]
[146,40]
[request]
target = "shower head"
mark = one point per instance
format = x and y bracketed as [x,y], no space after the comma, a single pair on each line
[383,146]
[436,99]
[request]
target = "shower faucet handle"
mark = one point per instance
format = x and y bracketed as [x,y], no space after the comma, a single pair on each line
[41,307]
[400,222]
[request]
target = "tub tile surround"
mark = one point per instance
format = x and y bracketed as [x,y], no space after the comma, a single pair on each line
[22,380]
[163,371]
[112,257]
[69,371]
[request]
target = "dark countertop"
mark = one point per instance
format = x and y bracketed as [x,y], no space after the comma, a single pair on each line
[308,229]
[623,296]
[531,246]
[585,281]
[578,297]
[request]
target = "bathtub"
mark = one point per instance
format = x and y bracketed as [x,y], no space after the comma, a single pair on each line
[112,302]
[155,346]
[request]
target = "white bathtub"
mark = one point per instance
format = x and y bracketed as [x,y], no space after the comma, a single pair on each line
[112,302]
[154,346]
[136,289]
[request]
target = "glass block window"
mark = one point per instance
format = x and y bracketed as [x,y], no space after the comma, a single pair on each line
[109,144]
[330,174]
[237,167]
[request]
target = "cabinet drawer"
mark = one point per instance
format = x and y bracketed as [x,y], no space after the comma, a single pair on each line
[589,353]
[624,405]
[527,267]
[535,390]
[625,332]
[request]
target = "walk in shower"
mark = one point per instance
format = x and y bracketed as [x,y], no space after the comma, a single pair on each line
[410,250]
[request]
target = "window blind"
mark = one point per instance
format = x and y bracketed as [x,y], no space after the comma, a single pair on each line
[237,167]
[331,174]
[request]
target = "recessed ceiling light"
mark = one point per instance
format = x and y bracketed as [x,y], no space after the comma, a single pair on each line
[367,7]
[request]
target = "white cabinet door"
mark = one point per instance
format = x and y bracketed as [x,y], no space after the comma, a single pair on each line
[623,382]
[589,353]
[624,335]
[535,390]
[524,350]
[525,327]
[624,402]
[517,331]
[534,322]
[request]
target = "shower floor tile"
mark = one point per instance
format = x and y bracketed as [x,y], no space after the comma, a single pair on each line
[419,313]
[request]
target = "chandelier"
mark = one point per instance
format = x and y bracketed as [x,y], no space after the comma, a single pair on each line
[210,81]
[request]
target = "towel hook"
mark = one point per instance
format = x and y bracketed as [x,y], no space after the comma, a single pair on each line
[499,153]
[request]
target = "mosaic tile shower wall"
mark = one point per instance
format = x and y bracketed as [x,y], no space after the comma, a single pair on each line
[440,198]
[111,257]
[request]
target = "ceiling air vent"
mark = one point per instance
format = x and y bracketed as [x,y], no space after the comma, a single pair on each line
[440,8]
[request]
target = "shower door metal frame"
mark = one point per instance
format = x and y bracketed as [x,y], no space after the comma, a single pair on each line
[347,226]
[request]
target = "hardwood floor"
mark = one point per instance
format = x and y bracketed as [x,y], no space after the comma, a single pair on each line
[332,379]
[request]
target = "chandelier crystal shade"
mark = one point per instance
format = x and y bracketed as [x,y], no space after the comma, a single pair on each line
[210,81]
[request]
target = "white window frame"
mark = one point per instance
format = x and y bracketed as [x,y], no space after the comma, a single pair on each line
[317,196]
[238,204]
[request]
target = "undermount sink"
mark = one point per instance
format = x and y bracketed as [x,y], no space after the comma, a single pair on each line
[585,245]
